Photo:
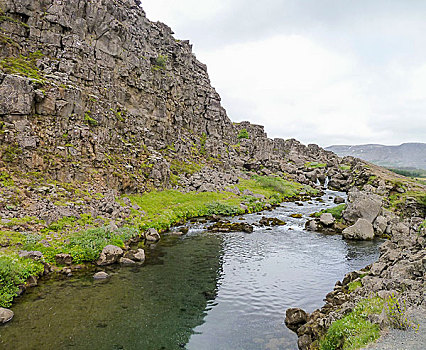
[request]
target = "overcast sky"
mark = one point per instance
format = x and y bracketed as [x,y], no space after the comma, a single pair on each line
[321,71]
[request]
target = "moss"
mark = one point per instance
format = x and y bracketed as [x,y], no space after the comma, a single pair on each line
[345,167]
[89,120]
[10,153]
[5,18]
[184,167]
[24,66]
[335,211]
[160,63]
[6,180]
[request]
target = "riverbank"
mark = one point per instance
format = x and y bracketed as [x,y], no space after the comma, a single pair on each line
[32,246]
[366,301]
[205,289]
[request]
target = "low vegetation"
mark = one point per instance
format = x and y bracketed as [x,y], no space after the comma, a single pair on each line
[335,211]
[13,272]
[314,165]
[243,134]
[354,330]
[24,65]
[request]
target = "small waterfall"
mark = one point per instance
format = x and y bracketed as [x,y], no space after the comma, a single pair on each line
[327,180]
[318,183]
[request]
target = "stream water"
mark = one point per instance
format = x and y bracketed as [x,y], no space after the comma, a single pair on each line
[201,291]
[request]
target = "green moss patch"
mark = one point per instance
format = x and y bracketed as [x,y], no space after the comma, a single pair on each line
[24,66]
[335,211]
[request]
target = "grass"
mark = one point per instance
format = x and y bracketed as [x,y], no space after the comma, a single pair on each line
[335,211]
[314,165]
[354,285]
[354,330]
[345,167]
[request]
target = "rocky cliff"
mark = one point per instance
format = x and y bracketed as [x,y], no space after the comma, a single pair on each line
[97,101]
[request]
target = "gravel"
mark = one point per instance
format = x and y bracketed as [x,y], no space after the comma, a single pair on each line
[395,339]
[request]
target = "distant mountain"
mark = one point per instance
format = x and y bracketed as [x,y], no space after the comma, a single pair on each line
[407,155]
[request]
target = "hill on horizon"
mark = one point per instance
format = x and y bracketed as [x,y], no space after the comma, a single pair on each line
[406,155]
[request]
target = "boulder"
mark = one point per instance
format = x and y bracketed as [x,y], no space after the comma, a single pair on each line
[380,224]
[100,275]
[295,318]
[362,205]
[63,259]
[110,254]
[327,219]
[152,235]
[136,255]
[304,342]
[5,315]
[361,230]
[35,255]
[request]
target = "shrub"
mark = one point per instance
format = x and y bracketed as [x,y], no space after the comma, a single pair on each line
[396,311]
[243,134]
[160,62]
[13,272]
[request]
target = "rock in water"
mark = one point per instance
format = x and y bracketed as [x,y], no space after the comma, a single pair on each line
[5,315]
[295,318]
[327,219]
[362,230]
[110,254]
[100,275]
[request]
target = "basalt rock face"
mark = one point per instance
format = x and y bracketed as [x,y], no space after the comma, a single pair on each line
[94,91]
[110,90]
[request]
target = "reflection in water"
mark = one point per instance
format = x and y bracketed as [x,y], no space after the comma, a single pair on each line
[203,291]
[153,307]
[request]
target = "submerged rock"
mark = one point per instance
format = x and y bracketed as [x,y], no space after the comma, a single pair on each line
[5,315]
[271,222]
[223,226]
[110,254]
[100,275]
[126,262]
[361,230]
[296,216]
[136,255]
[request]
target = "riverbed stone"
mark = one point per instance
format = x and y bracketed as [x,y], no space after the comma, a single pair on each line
[6,315]
[109,255]
[126,262]
[101,275]
[361,230]
[136,255]
[338,200]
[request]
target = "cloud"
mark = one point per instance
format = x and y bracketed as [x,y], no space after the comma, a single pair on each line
[324,72]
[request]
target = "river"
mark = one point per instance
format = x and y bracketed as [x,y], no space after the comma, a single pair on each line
[201,291]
